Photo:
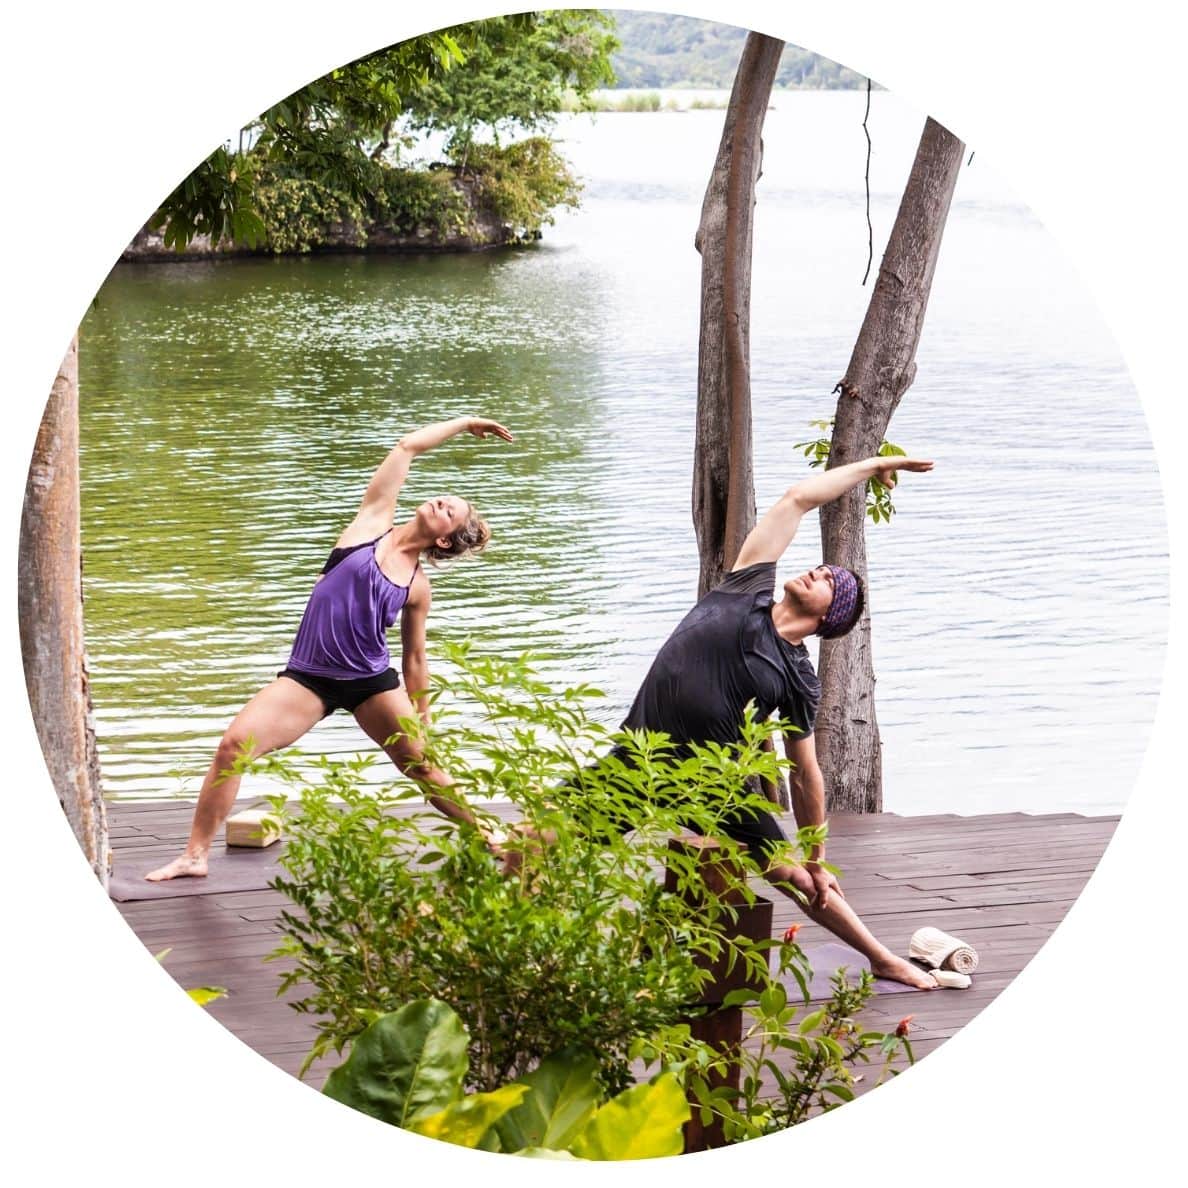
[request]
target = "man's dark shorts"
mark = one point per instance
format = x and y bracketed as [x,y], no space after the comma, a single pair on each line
[753,828]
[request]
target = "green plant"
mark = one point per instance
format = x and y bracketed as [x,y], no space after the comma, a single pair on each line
[792,1065]
[296,211]
[582,945]
[409,199]
[878,495]
[523,183]
[408,1068]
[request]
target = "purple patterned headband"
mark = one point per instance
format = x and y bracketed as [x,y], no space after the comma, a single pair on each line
[839,617]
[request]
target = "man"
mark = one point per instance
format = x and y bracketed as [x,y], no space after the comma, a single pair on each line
[739,646]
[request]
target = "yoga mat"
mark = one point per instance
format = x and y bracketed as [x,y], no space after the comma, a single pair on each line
[827,956]
[233,869]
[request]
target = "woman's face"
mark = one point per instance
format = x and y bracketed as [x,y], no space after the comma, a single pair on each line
[443,516]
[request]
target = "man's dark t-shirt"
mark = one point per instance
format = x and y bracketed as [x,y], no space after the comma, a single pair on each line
[724,653]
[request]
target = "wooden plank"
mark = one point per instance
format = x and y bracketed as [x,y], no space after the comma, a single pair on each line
[1002,882]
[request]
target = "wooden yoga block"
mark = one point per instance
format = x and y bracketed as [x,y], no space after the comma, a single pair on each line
[253,827]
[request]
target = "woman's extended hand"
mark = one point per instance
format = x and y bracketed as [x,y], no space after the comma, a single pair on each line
[481,427]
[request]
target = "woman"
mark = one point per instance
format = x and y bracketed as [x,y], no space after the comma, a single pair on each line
[340,656]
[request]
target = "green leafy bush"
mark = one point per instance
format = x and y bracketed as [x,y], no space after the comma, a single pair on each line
[581,945]
[523,183]
[410,199]
[796,1060]
[297,211]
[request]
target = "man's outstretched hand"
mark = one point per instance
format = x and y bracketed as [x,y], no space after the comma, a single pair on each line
[888,467]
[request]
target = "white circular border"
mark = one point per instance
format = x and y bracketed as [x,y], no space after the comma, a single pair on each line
[115,1077]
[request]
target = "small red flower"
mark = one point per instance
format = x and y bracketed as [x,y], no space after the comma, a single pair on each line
[790,934]
[904,1026]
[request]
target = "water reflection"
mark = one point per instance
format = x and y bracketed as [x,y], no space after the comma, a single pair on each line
[232,413]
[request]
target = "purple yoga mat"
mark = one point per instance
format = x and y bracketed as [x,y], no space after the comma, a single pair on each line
[828,956]
[233,868]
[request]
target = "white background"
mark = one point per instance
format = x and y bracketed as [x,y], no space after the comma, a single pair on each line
[111,1073]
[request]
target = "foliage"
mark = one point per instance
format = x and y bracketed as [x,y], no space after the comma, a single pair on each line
[296,211]
[524,183]
[584,942]
[214,200]
[317,132]
[321,148]
[408,1068]
[565,940]
[816,1073]
[633,102]
[517,77]
[878,495]
[409,199]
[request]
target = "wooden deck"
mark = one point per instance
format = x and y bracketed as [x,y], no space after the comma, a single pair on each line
[1000,882]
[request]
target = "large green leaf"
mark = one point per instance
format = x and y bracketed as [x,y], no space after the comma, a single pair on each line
[544,1153]
[643,1122]
[564,1096]
[406,1065]
[465,1122]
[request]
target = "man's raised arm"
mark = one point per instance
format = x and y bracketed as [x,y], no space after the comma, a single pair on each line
[774,532]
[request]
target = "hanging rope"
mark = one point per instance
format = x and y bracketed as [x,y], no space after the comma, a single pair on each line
[869,226]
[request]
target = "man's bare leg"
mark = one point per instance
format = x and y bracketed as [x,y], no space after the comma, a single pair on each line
[276,717]
[841,919]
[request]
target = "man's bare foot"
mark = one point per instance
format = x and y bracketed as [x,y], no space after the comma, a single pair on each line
[896,969]
[185,867]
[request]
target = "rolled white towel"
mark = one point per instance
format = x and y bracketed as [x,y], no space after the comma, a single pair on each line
[939,950]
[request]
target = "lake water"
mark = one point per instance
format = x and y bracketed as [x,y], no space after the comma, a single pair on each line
[232,412]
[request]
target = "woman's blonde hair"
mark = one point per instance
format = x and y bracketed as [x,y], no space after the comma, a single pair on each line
[470,537]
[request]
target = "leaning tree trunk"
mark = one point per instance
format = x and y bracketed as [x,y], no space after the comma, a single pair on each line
[51,623]
[723,477]
[881,369]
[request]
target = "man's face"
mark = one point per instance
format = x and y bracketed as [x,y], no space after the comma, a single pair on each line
[812,593]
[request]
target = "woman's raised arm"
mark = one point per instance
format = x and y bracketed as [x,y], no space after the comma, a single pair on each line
[379,500]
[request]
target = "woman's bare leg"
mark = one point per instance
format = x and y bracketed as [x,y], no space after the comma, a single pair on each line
[380,717]
[841,919]
[276,717]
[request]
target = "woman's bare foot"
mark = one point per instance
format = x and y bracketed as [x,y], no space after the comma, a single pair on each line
[184,867]
[896,969]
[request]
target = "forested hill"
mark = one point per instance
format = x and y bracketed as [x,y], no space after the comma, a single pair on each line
[660,50]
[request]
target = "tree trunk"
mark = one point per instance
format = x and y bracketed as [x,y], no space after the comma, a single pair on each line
[881,369]
[723,476]
[723,473]
[49,599]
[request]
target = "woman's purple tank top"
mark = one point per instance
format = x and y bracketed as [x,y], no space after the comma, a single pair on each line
[343,633]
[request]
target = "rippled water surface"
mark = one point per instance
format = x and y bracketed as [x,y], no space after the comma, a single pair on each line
[232,413]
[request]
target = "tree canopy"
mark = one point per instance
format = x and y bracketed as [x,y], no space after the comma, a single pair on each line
[497,73]
[516,77]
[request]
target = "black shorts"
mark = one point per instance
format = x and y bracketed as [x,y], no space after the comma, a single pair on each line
[348,694]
